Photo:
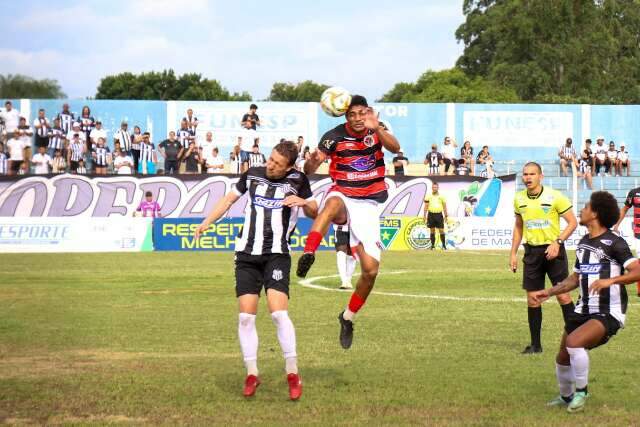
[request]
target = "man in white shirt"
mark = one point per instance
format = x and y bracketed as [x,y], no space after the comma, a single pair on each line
[448,152]
[215,164]
[41,160]
[206,147]
[15,146]
[123,163]
[11,118]
[249,137]
[623,160]
[97,133]
[600,152]
[75,129]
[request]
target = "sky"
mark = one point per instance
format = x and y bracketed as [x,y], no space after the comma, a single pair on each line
[365,47]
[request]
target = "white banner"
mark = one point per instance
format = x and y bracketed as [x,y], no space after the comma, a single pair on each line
[118,234]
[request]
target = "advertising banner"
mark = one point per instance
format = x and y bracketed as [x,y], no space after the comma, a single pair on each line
[75,234]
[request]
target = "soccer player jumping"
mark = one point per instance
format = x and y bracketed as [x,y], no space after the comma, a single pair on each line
[357,169]
[601,258]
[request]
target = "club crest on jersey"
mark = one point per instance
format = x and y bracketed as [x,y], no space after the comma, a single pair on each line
[369,140]
[364,163]
[327,143]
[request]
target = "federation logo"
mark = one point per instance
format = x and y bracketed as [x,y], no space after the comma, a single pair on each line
[369,140]
[417,235]
[277,275]
[389,229]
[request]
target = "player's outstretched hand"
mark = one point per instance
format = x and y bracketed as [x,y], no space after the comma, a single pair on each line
[372,120]
[599,284]
[200,230]
[540,296]
[294,201]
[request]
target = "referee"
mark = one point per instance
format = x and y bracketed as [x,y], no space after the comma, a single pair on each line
[262,259]
[435,215]
[538,211]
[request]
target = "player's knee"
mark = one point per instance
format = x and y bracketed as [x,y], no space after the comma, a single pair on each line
[280,317]
[573,342]
[246,320]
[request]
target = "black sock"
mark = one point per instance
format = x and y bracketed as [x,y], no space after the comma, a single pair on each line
[582,390]
[433,240]
[535,325]
[567,309]
[442,240]
[567,398]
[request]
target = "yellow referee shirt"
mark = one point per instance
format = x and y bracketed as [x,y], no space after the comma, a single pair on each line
[436,203]
[541,215]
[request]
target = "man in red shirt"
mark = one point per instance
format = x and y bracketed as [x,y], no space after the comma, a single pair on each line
[357,169]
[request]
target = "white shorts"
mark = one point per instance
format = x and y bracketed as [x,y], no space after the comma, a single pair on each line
[363,217]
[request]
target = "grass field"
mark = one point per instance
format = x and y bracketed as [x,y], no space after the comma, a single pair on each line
[151,339]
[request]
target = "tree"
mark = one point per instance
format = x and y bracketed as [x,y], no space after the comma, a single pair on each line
[562,50]
[165,86]
[306,91]
[451,85]
[16,86]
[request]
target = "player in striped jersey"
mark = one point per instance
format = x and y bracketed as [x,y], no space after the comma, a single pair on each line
[601,258]
[263,259]
[100,157]
[357,169]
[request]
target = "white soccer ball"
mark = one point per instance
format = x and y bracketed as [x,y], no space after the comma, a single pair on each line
[335,101]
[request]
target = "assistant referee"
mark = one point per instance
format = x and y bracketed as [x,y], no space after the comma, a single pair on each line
[538,210]
[435,215]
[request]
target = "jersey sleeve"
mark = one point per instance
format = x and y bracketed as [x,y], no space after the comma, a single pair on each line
[628,202]
[621,253]
[576,266]
[516,207]
[241,186]
[561,203]
[328,142]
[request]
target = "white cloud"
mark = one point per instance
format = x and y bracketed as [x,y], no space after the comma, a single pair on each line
[150,9]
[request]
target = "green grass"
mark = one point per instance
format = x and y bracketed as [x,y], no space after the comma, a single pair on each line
[151,339]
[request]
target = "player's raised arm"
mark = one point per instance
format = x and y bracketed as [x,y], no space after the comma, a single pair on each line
[388,141]
[313,163]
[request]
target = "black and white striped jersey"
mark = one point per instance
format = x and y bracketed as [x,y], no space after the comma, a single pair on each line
[76,151]
[125,139]
[3,163]
[146,152]
[101,155]
[567,152]
[268,223]
[434,159]
[66,120]
[185,136]
[56,138]
[256,160]
[602,257]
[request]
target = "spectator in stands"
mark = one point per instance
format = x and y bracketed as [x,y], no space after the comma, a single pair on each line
[16,148]
[485,159]
[123,163]
[612,159]
[4,161]
[171,150]
[24,169]
[585,165]
[123,137]
[433,159]
[76,130]
[81,169]
[41,161]
[58,164]
[466,153]
[306,155]
[462,168]
[42,126]
[11,118]
[214,163]
[251,120]
[76,151]
[191,158]
[600,153]
[101,155]
[192,121]
[136,143]
[206,150]
[185,134]
[87,123]
[249,138]
[147,161]
[148,207]
[567,156]
[25,134]
[256,158]
[300,144]
[66,118]
[235,161]
[448,151]
[56,138]
[399,163]
[97,132]
[623,161]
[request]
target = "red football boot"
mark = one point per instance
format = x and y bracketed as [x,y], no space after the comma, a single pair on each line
[250,385]
[295,386]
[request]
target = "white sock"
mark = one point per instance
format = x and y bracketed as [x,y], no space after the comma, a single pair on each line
[287,338]
[564,374]
[342,266]
[248,336]
[580,364]
[348,314]
[351,267]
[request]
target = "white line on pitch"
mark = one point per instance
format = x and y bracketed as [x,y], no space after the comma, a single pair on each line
[309,283]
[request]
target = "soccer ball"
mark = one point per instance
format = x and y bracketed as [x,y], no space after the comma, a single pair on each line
[335,101]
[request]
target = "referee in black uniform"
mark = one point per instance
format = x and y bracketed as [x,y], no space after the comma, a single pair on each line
[263,260]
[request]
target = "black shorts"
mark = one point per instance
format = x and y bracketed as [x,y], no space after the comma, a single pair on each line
[536,267]
[73,165]
[435,220]
[342,239]
[15,165]
[610,323]
[41,141]
[253,272]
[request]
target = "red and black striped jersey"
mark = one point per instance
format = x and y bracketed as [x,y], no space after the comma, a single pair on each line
[633,200]
[357,163]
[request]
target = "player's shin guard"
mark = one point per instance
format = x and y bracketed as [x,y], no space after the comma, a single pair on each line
[248,336]
[566,381]
[580,363]
[287,338]
[355,304]
[313,242]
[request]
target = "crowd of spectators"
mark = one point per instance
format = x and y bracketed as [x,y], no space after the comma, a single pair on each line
[444,160]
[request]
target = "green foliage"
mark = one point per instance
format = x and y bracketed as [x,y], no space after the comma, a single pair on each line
[18,86]
[165,85]
[306,91]
[450,86]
